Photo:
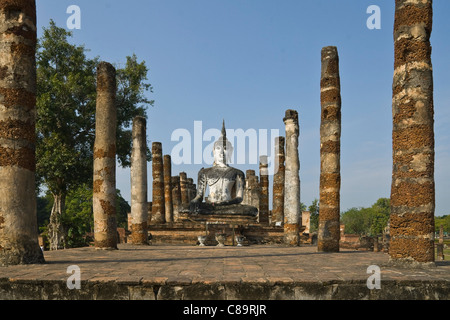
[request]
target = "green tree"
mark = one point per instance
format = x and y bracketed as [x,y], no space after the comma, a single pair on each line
[367,221]
[66,101]
[356,220]
[443,220]
[314,210]
[380,214]
[78,217]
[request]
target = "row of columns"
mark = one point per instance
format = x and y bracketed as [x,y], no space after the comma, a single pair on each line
[413,187]
[170,193]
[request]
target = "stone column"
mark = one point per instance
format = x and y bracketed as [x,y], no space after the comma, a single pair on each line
[168,188]
[246,199]
[252,190]
[440,246]
[330,142]
[18,222]
[184,189]
[278,183]
[104,197]
[139,206]
[306,221]
[190,187]
[176,197]
[158,201]
[413,186]
[292,214]
[263,216]
[149,213]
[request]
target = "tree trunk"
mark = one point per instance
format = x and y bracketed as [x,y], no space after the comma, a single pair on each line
[56,233]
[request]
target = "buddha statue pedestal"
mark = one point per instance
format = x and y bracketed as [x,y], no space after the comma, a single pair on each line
[236,214]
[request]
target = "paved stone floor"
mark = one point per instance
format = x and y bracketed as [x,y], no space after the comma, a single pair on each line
[164,265]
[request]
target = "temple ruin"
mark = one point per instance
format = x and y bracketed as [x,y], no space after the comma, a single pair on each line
[236,210]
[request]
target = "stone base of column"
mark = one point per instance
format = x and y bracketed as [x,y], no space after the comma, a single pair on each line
[139,234]
[328,236]
[292,234]
[440,252]
[107,244]
[409,263]
[28,253]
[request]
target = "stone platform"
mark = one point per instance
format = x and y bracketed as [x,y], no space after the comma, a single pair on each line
[260,272]
[187,232]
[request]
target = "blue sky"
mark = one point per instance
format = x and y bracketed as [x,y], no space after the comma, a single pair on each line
[247,61]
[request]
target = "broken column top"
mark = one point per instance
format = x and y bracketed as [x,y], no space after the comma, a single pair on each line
[106,73]
[291,114]
[329,51]
[263,160]
[26,6]
[157,147]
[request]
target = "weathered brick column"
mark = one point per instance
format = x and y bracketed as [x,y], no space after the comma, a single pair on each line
[176,197]
[190,187]
[184,189]
[330,145]
[278,183]
[158,202]
[413,187]
[292,214]
[139,187]
[252,189]
[18,222]
[104,197]
[168,188]
[263,216]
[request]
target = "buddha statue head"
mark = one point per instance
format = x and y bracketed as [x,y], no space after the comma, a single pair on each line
[222,149]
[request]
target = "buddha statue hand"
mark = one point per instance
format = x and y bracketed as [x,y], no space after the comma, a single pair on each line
[194,205]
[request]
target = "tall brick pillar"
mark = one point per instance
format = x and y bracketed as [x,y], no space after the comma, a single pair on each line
[278,183]
[139,203]
[330,145]
[292,212]
[18,221]
[184,189]
[168,188]
[176,197]
[158,201]
[263,216]
[413,187]
[104,197]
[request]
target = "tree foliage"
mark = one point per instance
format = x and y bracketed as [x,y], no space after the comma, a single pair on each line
[367,221]
[442,220]
[314,219]
[66,101]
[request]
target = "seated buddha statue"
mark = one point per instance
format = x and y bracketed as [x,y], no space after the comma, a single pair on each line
[226,184]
